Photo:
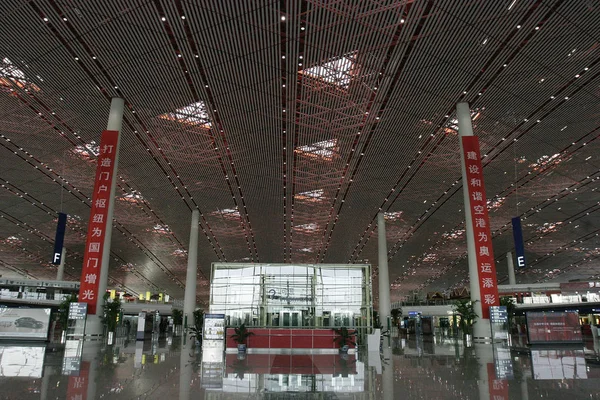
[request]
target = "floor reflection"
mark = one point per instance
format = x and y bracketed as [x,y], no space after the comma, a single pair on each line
[411,368]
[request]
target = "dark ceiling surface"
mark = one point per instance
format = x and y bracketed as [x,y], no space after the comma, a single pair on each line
[291,124]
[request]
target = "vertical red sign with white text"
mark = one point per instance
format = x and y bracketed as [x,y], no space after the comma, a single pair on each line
[78,385]
[498,387]
[92,260]
[486,267]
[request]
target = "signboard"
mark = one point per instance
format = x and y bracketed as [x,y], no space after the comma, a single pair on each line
[92,260]
[592,286]
[484,253]
[498,315]
[39,283]
[503,365]
[553,327]
[558,364]
[141,326]
[499,322]
[72,357]
[24,361]
[214,327]
[77,310]
[519,244]
[59,238]
[24,323]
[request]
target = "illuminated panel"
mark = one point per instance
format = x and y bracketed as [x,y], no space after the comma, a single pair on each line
[192,114]
[337,71]
[324,150]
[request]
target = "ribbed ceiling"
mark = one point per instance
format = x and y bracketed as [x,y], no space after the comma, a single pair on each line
[291,124]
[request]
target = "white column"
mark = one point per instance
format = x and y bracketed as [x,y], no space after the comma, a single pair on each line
[485,355]
[511,269]
[60,274]
[481,329]
[115,122]
[388,375]
[187,360]
[189,299]
[384,275]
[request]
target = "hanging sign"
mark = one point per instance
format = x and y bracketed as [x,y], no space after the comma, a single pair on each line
[92,260]
[519,245]
[484,253]
[59,238]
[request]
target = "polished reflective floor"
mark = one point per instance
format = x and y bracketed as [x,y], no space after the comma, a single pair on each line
[414,368]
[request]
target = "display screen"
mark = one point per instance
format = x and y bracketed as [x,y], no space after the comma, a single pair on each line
[553,327]
[558,364]
[25,361]
[214,327]
[24,323]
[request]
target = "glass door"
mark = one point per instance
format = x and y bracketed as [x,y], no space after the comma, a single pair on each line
[290,319]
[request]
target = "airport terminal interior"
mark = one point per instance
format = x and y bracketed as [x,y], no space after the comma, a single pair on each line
[299,199]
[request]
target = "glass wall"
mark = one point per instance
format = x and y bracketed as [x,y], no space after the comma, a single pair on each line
[288,295]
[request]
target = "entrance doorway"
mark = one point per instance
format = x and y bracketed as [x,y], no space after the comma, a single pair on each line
[290,319]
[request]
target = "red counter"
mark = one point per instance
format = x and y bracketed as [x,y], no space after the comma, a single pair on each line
[282,338]
[309,364]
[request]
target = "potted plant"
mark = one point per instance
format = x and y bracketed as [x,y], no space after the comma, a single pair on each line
[177,315]
[466,311]
[241,335]
[344,338]
[196,329]
[509,303]
[111,310]
[63,313]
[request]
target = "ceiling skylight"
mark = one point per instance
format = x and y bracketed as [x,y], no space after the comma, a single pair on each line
[88,150]
[393,215]
[192,114]
[132,197]
[11,75]
[495,203]
[306,228]
[158,228]
[311,195]
[451,126]
[228,213]
[324,150]
[337,71]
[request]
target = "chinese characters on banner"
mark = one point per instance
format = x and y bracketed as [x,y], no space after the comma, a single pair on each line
[92,260]
[78,385]
[498,387]
[486,268]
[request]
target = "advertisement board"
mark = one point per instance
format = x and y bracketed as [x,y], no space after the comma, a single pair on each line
[558,364]
[553,327]
[214,327]
[24,323]
[27,361]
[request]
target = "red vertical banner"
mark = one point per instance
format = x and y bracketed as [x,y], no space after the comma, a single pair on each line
[498,387]
[78,385]
[484,253]
[92,260]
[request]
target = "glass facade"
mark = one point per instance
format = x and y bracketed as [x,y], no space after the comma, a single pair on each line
[288,295]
